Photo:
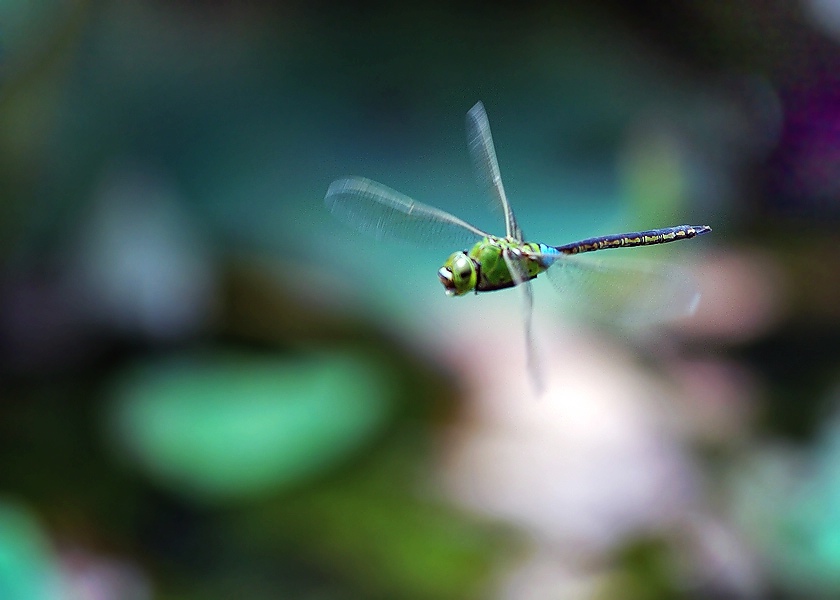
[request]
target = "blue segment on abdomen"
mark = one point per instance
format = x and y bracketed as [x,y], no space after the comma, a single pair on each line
[548,252]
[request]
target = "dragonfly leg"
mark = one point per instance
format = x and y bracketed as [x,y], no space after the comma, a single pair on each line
[477,274]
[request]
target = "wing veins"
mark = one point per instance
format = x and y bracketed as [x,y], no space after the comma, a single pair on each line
[486,165]
[376,209]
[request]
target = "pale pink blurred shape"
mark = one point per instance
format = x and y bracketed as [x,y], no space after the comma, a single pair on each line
[87,576]
[583,466]
[718,398]
[599,459]
[743,295]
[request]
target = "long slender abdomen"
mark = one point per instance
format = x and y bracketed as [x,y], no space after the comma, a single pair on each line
[639,238]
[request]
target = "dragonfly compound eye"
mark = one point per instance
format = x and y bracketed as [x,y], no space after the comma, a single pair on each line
[458,274]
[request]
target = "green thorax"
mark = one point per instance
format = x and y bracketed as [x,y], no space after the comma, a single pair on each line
[483,268]
[493,270]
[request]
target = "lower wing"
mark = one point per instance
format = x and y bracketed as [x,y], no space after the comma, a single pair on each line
[623,291]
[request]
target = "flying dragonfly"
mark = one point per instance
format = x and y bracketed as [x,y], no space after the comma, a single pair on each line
[489,263]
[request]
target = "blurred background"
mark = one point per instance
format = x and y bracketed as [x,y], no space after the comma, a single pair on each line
[210,388]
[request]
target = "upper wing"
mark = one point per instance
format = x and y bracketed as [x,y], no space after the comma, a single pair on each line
[486,165]
[378,210]
[626,292]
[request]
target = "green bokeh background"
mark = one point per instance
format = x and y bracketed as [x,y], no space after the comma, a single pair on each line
[209,388]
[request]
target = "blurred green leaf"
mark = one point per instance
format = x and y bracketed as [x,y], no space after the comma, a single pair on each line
[238,425]
[26,568]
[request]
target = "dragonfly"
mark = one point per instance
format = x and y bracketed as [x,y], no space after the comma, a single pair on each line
[493,262]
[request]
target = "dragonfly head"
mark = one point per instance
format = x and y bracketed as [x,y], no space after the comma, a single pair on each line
[459,274]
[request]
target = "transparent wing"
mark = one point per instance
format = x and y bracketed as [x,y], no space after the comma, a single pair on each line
[625,292]
[377,210]
[520,278]
[483,155]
